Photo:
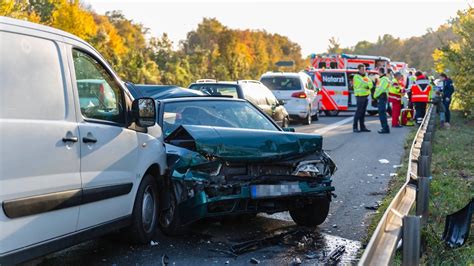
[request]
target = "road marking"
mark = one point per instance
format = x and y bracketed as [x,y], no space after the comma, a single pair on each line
[333,126]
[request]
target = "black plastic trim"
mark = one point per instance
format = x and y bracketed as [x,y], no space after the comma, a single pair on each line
[15,208]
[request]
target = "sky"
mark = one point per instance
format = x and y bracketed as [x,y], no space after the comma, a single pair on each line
[308,23]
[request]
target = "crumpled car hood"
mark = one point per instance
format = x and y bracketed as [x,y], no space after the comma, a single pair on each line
[244,145]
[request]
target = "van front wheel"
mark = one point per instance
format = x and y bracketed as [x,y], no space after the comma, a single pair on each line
[145,211]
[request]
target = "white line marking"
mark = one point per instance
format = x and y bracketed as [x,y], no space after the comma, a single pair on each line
[327,128]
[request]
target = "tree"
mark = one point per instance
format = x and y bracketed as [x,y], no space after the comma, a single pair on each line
[457,60]
[71,17]
[334,46]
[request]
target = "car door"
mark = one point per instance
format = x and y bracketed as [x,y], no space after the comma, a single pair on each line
[277,110]
[108,148]
[39,167]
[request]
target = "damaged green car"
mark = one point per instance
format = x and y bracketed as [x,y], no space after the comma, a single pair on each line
[228,158]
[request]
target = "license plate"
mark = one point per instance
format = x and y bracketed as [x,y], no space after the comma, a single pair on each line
[266,191]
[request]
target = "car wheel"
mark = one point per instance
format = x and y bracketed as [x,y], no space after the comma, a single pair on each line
[312,214]
[307,120]
[145,210]
[316,116]
[169,221]
[331,113]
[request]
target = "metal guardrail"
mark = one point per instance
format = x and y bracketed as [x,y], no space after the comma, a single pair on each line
[396,223]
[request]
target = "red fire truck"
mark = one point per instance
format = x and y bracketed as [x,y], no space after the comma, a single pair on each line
[348,61]
[333,73]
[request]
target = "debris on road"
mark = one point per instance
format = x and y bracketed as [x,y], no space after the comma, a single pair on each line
[255,244]
[384,161]
[395,166]
[374,207]
[457,227]
[254,261]
[165,260]
[153,243]
[393,174]
[336,254]
[296,261]
[312,255]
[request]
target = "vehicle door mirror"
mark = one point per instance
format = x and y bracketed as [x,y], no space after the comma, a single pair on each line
[144,112]
[281,102]
[289,129]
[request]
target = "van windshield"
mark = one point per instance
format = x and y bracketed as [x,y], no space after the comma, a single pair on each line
[282,83]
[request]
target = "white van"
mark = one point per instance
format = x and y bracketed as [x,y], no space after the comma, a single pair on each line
[75,162]
[298,93]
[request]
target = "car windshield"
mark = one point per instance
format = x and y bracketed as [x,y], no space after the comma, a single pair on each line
[282,83]
[236,114]
[216,89]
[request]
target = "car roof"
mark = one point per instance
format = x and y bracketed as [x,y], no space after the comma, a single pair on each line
[215,82]
[43,28]
[283,74]
[202,98]
[162,91]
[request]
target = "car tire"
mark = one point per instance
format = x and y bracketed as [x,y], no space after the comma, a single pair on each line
[307,120]
[312,214]
[316,116]
[145,212]
[331,113]
[168,220]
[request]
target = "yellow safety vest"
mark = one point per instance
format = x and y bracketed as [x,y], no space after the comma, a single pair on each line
[395,90]
[382,87]
[362,85]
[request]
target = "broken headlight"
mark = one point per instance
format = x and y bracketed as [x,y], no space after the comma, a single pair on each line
[307,168]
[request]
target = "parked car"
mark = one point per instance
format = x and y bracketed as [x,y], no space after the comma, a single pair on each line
[160,91]
[297,91]
[228,158]
[79,155]
[251,90]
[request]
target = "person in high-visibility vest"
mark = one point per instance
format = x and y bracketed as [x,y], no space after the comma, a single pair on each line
[381,94]
[395,93]
[420,95]
[362,85]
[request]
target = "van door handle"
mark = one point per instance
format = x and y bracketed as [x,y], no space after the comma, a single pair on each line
[89,140]
[70,139]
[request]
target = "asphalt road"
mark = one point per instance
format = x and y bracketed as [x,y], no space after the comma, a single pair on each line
[365,164]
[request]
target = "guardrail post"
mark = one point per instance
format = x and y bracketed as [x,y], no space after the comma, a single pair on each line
[411,240]
[423,198]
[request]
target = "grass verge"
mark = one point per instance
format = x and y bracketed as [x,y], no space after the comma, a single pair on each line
[451,188]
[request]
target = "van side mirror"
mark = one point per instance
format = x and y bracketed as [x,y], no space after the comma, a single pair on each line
[144,112]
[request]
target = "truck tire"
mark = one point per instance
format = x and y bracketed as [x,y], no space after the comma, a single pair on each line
[312,214]
[145,212]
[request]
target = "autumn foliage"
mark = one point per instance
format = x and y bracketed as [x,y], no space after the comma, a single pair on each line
[210,51]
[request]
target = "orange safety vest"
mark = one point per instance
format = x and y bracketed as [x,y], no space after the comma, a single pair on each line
[420,91]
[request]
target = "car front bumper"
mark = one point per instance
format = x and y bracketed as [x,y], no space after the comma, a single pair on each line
[203,205]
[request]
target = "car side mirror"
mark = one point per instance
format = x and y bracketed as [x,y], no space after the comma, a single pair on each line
[144,112]
[281,102]
[289,129]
